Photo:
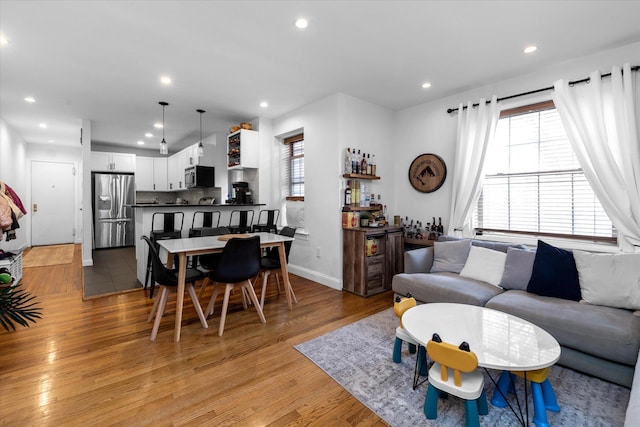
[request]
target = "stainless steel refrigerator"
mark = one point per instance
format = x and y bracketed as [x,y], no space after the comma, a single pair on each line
[113,223]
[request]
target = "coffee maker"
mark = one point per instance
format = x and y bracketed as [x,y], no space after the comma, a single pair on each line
[242,193]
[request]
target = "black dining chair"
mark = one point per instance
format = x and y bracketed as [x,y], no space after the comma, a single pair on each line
[209,261]
[271,262]
[168,280]
[239,263]
[168,230]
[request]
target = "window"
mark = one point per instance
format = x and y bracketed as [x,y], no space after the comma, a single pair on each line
[533,182]
[293,155]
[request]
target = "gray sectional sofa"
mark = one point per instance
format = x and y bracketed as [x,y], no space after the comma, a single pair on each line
[597,340]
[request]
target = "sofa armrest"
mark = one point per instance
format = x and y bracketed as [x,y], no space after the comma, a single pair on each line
[418,260]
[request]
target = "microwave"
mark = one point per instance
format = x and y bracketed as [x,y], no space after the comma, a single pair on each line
[199,176]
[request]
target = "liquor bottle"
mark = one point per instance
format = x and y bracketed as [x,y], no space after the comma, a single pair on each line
[358,170]
[347,194]
[347,161]
[433,225]
[369,166]
[440,227]
[355,196]
[353,160]
[363,165]
[373,165]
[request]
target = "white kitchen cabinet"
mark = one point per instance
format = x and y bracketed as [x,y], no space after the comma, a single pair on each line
[243,149]
[113,162]
[175,171]
[144,174]
[160,168]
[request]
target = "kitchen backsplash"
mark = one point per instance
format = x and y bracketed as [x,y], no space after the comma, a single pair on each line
[191,197]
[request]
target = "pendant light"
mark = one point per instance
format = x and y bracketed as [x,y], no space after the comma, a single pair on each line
[163,145]
[200,146]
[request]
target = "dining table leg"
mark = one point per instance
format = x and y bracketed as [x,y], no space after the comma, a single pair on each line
[182,274]
[285,274]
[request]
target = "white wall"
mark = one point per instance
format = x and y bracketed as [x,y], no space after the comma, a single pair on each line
[427,128]
[330,125]
[12,172]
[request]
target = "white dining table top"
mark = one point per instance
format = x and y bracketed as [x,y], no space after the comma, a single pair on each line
[195,244]
[499,340]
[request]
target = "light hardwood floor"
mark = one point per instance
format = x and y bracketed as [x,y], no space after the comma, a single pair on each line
[91,362]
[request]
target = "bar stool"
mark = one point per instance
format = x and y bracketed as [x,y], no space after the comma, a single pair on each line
[240,221]
[203,219]
[167,231]
[267,220]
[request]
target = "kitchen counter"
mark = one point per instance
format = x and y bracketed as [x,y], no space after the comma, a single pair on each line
[183,205]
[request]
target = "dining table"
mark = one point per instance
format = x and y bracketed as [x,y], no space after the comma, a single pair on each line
[187,247]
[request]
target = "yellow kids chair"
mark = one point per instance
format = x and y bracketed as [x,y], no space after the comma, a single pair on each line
[454,372]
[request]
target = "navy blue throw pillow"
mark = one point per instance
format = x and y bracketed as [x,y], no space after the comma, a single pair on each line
[554,273]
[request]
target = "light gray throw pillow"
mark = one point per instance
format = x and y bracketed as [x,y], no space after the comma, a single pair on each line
[450,256]
[517,269]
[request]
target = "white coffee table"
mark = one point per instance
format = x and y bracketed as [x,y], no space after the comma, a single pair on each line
[500,340]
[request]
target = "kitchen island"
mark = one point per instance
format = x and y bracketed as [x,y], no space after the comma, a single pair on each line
[144,214]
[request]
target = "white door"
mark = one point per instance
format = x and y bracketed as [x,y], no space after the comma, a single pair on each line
[51,203]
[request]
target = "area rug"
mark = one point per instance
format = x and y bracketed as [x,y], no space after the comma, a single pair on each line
[358,357]
[40,256]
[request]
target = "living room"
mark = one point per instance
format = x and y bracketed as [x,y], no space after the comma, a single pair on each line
[332,123]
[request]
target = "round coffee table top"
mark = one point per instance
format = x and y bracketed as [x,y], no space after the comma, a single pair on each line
[499,340]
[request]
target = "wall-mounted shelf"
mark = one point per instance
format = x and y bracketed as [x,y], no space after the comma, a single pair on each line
[359,176]
[358,208]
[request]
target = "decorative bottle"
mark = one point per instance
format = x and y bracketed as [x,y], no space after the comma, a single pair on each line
[373,165]
[369,167]
[347,194]
[363,164]
[347,161]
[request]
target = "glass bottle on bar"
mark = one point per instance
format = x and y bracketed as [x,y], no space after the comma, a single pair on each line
[347,194]
[363,164]
[347,161]
[373,165]
[369,167]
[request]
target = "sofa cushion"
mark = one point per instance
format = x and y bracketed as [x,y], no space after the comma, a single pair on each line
[554,273]
[444,287]
[605,332]
[489,244]
[484,264]
[609,279]
[517,269]
[450,256]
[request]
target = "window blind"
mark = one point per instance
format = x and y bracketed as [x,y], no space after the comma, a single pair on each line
[533,182]
[292,162]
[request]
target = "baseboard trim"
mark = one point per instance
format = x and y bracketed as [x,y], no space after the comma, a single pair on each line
[321,278]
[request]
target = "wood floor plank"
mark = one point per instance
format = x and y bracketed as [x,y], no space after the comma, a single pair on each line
[91,362]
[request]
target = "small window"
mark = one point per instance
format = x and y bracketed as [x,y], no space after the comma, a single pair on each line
[293,154]
[533,183]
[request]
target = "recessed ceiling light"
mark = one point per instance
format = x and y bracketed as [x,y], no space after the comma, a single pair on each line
[140,142]
[302,23]
[264,104]
[157,125]
[530,49]
[43,125]
[426,85]
[3,40]
[148,135]
[165,80]
[30,99]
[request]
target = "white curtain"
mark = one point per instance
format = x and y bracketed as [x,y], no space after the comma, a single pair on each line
[476,129]
[600,121]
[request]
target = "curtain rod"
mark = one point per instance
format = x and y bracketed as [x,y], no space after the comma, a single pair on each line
[544,89]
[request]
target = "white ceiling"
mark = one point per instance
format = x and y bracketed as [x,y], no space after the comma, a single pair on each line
[102,60]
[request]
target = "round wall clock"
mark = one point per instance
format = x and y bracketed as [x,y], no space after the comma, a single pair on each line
[427,173]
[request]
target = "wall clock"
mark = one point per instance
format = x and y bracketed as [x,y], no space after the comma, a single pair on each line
[427,173]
